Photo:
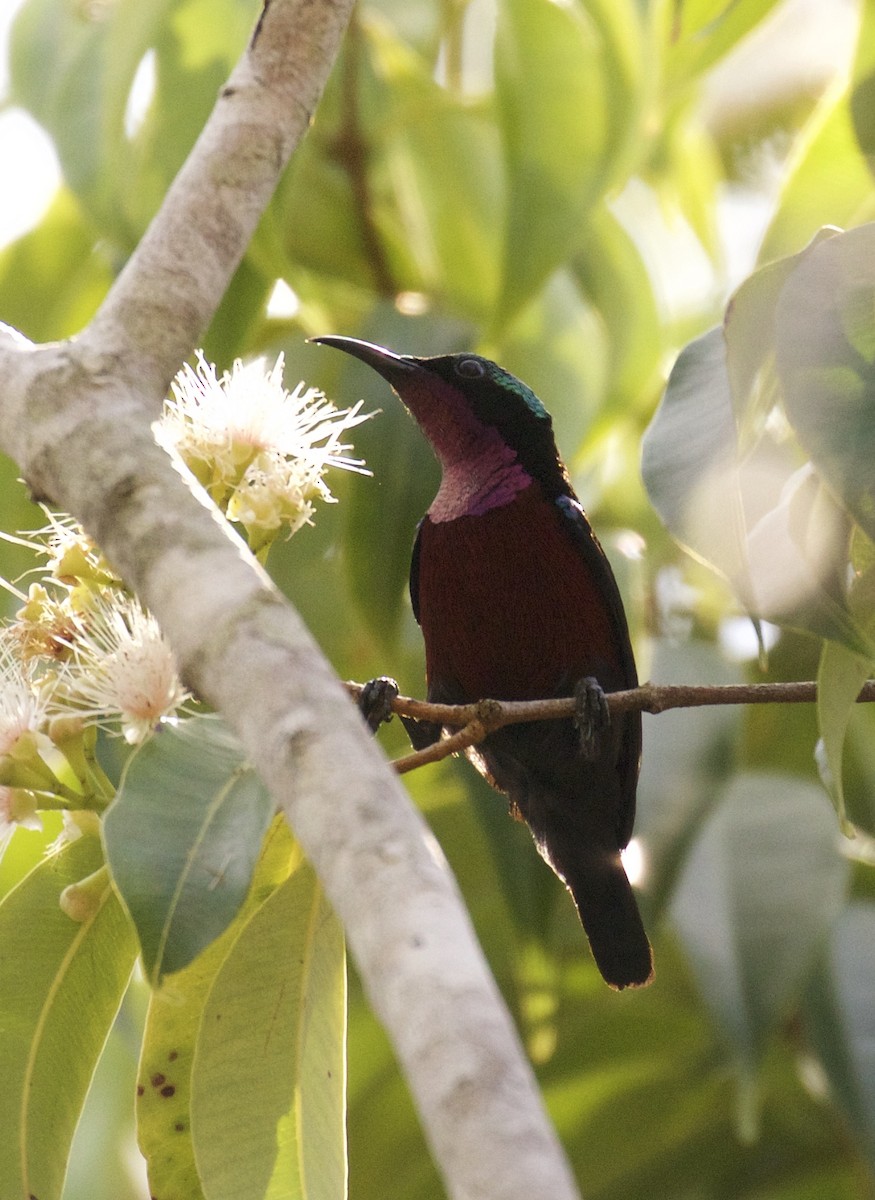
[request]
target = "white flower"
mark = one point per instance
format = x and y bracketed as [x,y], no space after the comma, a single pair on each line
[23,704]
[259,450]
[72,555]
[121,669]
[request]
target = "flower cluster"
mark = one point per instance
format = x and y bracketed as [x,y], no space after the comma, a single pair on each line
[260,451]
[81,653]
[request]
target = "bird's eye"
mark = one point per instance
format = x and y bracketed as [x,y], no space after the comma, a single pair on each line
[471,368]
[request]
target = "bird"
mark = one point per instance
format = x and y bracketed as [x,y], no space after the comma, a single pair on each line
[516,600]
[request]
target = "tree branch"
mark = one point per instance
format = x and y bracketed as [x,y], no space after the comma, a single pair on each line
[477,721]
[76,418]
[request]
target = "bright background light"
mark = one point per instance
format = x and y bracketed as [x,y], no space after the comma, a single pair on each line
[29,171]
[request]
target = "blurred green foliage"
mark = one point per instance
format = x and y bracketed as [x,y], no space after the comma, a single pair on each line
[554,185]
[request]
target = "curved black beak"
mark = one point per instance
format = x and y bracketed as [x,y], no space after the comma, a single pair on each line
[393,367]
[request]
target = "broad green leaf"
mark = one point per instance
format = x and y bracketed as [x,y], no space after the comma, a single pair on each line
[689,461]
[314,220]
[829,177]
[789,566]
[195,43]
[858,764]
[74,74]
[53,278]
[554,117]
[749,328]
[268,1083]
[798,552]
[182,839]
[559,345]
[687,174]
[380,520]
[839,678]
[61,984]
[25,849]
[74,68]
[414,204]
[825,347]
[862,94]
[172,1029]
[443,161]
[841,1018]
[612,273]
[759,892]
[701,31]
[828,181]
[440,160]
[103,1162]
[685,759]
[631,71]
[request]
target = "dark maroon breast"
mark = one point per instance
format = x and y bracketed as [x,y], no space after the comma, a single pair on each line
[511,608]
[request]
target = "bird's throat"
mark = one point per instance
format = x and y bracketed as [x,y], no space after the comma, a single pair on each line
[472,486]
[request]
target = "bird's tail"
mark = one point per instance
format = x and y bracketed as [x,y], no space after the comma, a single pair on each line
[607,909]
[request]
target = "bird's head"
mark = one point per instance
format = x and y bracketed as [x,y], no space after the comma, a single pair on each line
[464,403]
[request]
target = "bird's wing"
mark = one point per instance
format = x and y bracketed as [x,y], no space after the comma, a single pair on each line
[589,546]
[587,543]
[414,571]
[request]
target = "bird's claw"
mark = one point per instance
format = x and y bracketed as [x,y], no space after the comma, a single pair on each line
[592,718]
[375,701]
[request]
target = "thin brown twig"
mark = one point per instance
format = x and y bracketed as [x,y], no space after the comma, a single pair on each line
[477,721]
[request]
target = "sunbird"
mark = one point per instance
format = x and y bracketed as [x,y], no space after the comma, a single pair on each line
[517,601]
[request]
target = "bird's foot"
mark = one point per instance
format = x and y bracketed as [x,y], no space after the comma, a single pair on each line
[592,717]
[375,701]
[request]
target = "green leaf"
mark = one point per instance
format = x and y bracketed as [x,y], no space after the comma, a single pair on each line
[611,270]
[830,177]
[839,678]
[749,328]
[829,182]
[103,1163]
[702,32]
[862,94]
[74,74]
[399,187]
[684,762]
[554,116]
[790,565]
[274,1024]
[825,346]
[687,175]
[73,68]
[52,279]
[761,887]
[558,345]
[631,76]
[689,461]
[316,221]
[196,43]
[25,849]
[798,553]
[440,159]
[172,1029]
[61,984]
[182,839]
[841,1018]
